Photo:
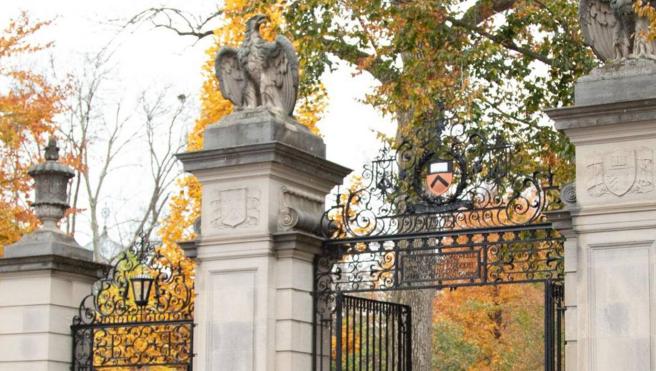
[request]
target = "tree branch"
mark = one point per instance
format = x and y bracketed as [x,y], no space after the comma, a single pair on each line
[352,54]
[484,9]
[176,20]
[508,44]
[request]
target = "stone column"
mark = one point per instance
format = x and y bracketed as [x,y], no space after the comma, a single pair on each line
[43,278]
[264,179]
[562,221]
[610,284]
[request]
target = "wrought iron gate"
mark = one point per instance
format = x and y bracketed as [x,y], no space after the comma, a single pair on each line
[140,314]
[372,335]
[553,325]
[445,209]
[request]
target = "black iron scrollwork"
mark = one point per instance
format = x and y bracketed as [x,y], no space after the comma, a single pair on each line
[448,206]
[112,329]
[484,225]
[484,187]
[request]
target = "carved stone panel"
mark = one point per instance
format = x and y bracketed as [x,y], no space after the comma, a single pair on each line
[620,172]
[234,208]
[231,323]
[619,308]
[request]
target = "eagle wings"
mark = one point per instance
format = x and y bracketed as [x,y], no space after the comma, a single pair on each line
[259,73]
[614,31]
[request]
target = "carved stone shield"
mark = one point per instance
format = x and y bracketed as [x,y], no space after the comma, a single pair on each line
[439,177]
[620,171]
[233,207]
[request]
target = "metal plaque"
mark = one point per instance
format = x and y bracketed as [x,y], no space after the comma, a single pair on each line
[449,266]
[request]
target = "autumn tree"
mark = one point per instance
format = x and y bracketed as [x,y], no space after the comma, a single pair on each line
[496,64]
[489,328]
[28,103]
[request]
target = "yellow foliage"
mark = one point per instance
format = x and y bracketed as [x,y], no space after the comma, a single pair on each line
[645,9]
[502,323]
[27,107]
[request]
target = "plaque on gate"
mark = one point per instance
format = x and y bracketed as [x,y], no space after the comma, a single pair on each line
[441,267]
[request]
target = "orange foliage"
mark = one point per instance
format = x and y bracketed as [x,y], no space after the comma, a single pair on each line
[646,10]
[501,326]
[28,103]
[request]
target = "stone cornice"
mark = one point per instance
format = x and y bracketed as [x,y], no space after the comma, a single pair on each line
[53,263]
[570,117]
[607,123]
[617,208]
[190,248]
[274,152]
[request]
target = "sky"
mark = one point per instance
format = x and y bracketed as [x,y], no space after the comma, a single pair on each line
[145,58]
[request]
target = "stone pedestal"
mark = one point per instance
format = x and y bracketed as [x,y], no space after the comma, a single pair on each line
[39,295]
[611,223]
[264,181]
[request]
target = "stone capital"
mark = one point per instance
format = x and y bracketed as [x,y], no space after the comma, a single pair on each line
[607,123]
[297,245]
[632,79]
[261,125]
[262,157]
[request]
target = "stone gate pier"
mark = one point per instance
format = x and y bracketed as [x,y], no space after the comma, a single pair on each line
[43,278]
[264,179]
[610,219]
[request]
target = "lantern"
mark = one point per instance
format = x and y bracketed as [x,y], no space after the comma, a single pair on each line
[141,287]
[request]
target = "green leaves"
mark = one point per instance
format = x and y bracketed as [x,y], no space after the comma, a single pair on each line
[498,63]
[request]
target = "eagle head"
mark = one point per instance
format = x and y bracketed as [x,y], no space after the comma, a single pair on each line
[254,23]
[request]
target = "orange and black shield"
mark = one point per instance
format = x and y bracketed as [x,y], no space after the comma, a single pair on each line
[439,177]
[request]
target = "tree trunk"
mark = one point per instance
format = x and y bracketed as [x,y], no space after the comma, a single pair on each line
[421,304]
[420,301]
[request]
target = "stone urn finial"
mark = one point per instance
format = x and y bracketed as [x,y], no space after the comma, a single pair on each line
[51,186]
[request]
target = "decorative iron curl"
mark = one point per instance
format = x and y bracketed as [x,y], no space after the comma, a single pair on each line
[111,330]
[486,191]
[111,302]
[474,257]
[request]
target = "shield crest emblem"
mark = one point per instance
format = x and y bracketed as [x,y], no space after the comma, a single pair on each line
[233,207]
[439,177]
[620,171]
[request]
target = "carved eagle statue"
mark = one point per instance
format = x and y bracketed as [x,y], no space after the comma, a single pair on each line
[614,30]
[259,73]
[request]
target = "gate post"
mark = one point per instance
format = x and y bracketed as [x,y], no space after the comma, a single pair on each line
[43,278]
[264,179]
[610,275]
[562,221]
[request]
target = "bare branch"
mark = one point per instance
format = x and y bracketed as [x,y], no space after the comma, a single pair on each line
[507,43]
[176,20]
[160,125]
[485,9]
